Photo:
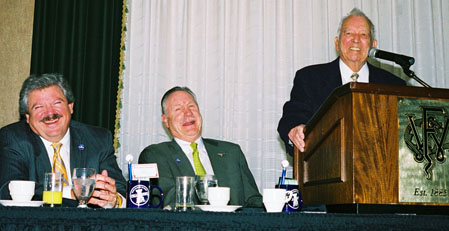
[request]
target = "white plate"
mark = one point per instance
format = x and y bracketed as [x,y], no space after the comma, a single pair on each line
[212,208]
[22,204]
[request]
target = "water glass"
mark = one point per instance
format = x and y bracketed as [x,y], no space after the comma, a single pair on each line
[83,180]
[202,184]
[184,193]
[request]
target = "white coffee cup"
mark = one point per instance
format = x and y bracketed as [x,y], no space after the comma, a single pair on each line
[21,190]
[218,196]
[274,199]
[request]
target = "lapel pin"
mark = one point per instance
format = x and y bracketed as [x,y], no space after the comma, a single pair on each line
[220,154]
[81,147]
[178,160]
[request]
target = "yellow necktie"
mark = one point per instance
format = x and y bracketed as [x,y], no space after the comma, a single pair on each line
[199,169]
[58,163]
[354,76]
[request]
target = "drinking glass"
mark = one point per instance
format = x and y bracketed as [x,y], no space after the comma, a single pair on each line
[53,185]
[202,183]
[184,193]
[83,180]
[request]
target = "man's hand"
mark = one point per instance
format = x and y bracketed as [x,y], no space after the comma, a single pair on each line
[105,191]
[296,135]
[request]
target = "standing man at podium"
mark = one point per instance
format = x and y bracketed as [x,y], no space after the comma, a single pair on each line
[313,84]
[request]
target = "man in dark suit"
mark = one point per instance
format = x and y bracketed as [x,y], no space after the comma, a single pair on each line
[313,84]
[225,160]
[26,151]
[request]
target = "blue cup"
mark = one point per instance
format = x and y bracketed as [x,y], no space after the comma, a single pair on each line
[294,201]
[138,194]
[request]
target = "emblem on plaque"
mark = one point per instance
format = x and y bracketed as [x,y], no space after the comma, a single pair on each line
[426,137]
[423,149]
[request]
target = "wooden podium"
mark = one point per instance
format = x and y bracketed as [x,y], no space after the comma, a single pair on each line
[351,152]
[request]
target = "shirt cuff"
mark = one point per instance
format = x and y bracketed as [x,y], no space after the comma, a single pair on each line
[120,203]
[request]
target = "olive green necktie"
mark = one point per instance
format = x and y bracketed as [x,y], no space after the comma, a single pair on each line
[199,169]
[58,163]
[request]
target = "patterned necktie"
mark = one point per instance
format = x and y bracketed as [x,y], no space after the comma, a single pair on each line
[199,169]
[58,163]
[354,77]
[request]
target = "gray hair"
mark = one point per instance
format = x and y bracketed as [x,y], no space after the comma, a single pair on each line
[35,82]
[357,12]
[173,90]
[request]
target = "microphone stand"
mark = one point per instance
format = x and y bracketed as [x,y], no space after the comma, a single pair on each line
[412,75]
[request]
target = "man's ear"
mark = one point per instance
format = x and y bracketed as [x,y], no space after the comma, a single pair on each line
[27,116]
[71,107]
[374,43]
[165,120]
[336,44]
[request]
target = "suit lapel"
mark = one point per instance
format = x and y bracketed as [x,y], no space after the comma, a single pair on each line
[76,154]
[179,157]
[335,74]
[216,156]
[41,155]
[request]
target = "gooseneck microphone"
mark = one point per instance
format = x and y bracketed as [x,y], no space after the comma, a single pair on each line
[402,60]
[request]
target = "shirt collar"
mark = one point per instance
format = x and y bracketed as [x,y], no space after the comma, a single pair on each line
[346,73]
[185,145]
[65,141]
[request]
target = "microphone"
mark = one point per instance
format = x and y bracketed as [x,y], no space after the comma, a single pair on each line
[402,60]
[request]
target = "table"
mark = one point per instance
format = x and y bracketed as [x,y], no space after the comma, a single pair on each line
[66,218]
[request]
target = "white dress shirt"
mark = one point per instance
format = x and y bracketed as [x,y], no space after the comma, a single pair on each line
[65,155]
[204,158]
[346,73]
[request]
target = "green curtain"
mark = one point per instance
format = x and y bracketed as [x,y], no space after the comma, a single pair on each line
[81,40]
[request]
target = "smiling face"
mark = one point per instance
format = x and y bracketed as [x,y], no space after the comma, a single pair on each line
[354,42]
[182,116]
[49,113]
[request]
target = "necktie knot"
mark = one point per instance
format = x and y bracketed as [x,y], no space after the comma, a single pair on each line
[354,76]
[56,147]
[194,146]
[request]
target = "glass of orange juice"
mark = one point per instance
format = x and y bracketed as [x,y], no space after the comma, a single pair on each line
[52,195]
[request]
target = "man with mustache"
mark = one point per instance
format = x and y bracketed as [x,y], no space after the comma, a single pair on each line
[225,160]
[27,147]
[313,84]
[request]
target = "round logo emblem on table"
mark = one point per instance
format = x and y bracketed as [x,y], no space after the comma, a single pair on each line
[139,195]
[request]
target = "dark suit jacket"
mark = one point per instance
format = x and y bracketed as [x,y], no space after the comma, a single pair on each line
[312,85]
[24,157]
[228,162]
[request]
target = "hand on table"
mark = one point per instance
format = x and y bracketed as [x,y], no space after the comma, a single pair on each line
[105,193]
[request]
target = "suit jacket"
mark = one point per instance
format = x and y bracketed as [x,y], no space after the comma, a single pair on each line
[227,160]
[312,85]
[24,157]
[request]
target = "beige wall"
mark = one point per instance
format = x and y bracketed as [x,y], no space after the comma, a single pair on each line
[16,28]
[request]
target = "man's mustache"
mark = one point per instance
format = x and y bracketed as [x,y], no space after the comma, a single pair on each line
[51,117]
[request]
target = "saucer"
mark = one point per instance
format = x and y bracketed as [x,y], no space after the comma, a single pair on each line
[214,208]
[21,204]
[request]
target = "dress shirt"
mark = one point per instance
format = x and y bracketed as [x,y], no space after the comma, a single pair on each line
[65,155]
[204,157]
[346,73]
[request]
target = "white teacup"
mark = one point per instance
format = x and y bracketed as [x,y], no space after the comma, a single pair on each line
[274,199]
[218,196]
[21,190]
